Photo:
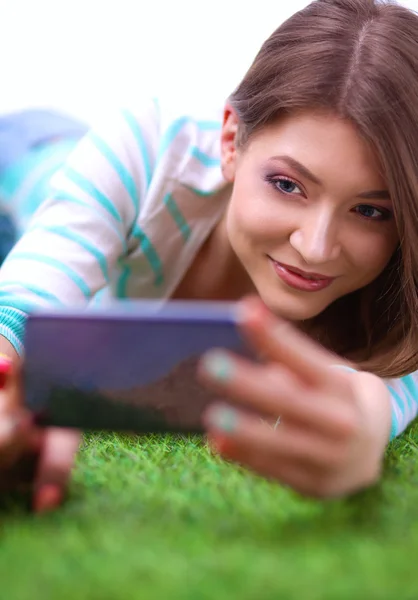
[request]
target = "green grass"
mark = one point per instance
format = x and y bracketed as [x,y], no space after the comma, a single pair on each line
[162,518]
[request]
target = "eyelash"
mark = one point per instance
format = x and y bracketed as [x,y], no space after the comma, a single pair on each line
[274,180]
[385,214]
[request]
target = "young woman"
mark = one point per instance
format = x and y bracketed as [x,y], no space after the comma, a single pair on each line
[302,192]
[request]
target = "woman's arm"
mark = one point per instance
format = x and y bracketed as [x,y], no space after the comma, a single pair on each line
[77,236]
[65,257]
[404,402]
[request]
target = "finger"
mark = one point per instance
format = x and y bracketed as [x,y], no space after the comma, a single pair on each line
[19,456]
[258,441]
[304,480]
[273,391]
[14,422]
[304,477]
[283,343]
[55,464]
[15,436]
[19,440]
[10,393]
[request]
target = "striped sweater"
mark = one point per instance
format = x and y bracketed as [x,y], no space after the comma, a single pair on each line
[124,215]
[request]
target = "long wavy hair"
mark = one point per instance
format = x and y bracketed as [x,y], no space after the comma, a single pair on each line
[358,59]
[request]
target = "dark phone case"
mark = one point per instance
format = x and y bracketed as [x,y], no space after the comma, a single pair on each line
[131,367]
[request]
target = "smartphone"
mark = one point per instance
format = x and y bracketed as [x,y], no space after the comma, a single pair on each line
[127,367]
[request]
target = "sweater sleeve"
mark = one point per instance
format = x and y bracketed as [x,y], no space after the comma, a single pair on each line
[404,401]
[82,229]
[403,398]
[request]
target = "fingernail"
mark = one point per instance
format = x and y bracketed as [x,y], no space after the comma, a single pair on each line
[5,367]
[224,419]
[48,497]
[218,365]
[220,444]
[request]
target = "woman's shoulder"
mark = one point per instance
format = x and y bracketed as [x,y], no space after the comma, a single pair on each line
[176,127]
[181,136]
[189,142]
[175,121]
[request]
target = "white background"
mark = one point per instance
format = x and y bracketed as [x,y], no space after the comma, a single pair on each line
[85,56]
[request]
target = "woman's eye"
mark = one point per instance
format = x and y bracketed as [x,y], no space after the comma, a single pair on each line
[283,184]
[371,212]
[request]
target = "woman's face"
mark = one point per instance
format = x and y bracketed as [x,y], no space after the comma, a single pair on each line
[310,217]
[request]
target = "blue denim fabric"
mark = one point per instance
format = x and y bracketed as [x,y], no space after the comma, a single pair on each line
[21,131]
[7,235]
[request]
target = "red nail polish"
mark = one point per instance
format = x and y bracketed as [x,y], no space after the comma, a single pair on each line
[5,368]
[48,497]
[221,444]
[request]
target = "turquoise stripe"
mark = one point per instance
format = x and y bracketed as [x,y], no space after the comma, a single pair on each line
[398,398]
[30,288]
[411,391]
[177,125]
[16,341]
[150,254]
[142,146]
[209,125]
[98,297]
[198,192]
[395,423]
[123,173]
[86,186]
[12,326]
[40,188]
[394,427]
[205,159]
[177,215]
[29,165]
[65,197]
[13,301]
[80,241]
[172,131]
[57,264]
[122,285]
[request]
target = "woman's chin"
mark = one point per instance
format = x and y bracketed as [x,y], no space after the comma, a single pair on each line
[293,309]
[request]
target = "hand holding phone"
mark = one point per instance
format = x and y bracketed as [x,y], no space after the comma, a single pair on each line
[131,367]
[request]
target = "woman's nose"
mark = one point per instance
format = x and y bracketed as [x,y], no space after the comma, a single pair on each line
[317,239]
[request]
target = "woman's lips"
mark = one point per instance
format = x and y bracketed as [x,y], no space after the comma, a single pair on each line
[301,280]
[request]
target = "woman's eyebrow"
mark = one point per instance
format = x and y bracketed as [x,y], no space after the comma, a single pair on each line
[298,167]
[375,195]
[305,172]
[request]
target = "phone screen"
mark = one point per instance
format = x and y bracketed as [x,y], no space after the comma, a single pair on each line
[132,370]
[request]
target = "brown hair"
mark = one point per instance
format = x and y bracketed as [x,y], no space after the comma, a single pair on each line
[359,59]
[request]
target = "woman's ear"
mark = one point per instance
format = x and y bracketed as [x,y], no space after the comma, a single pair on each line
[228,143]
